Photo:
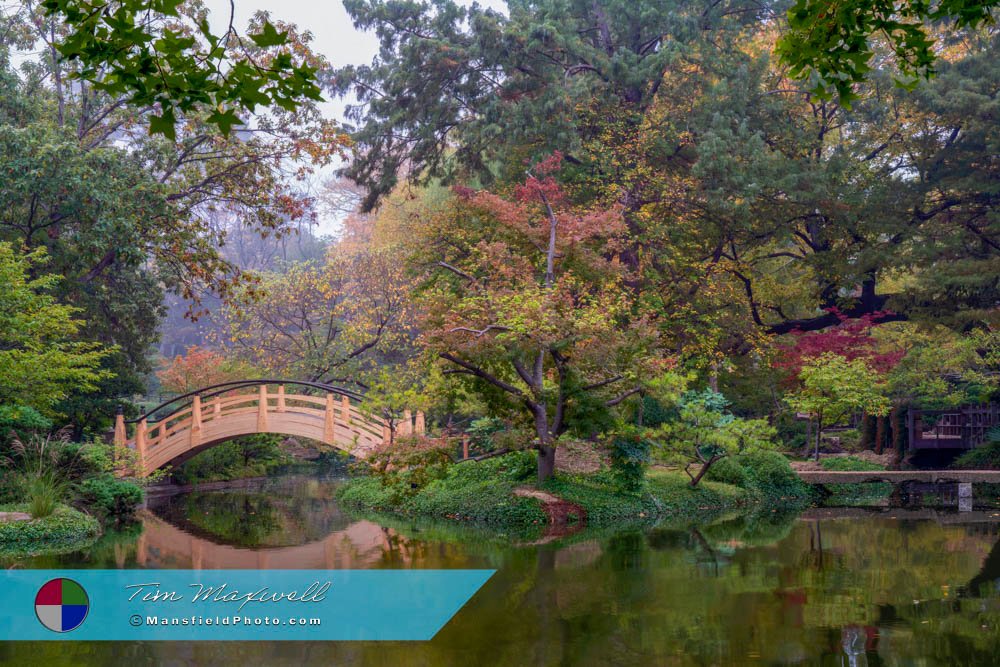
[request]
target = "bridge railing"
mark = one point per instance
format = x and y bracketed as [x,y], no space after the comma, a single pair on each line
[332,418]
[963,427]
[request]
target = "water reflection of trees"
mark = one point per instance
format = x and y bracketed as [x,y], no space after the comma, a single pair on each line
[239,519]
[276,514]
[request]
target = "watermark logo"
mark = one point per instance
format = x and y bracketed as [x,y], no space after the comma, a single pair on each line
[61,605]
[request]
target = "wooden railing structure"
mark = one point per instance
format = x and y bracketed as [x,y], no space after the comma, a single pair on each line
[960,428]
[212,415]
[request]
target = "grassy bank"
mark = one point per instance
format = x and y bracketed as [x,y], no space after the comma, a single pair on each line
[481,491]
[484,491]
[66,529]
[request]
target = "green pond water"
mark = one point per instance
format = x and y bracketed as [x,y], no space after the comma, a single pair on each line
[829,586]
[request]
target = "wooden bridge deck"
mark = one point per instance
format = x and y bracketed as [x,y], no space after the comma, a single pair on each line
[898,476]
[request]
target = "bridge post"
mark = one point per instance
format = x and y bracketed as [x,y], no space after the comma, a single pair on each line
[281,398]
[965,497]
[140,445]
[196,421]
[406,427]
[217,406]
[262,409]
[419,429]
[120,435]
[345,410]
[328,421]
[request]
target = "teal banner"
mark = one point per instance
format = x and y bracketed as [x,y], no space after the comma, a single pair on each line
[232,605]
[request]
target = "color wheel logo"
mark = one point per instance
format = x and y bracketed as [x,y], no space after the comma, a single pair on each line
[61,605]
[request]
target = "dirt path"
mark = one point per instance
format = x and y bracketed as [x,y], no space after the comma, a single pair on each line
[560,512]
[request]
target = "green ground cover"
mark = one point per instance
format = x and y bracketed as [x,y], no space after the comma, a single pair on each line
[484,491]
[65,529]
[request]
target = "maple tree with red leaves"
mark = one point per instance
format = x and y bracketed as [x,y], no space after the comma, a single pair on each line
[852,339]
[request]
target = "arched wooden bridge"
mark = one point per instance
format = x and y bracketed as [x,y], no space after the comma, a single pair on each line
[212,415]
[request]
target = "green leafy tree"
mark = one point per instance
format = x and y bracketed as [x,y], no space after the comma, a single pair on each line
[40,362]
[833,387]
[834,39]
[703,432]
[162,55]
[126,217]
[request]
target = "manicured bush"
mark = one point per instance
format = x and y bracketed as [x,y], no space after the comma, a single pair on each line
[515,467]
[770,474]
[728,471]
[111,497]
[765,473]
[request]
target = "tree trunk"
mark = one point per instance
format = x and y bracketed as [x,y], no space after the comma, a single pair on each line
[546,462]
[867,431]
[819,436]
[879,434]
[546,450]
[704,469]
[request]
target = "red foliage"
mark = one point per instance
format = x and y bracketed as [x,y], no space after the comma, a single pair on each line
[850,339]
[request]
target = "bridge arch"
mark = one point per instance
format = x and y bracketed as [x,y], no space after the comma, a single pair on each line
[211,415]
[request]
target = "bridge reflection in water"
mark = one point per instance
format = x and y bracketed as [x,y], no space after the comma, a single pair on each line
[361,544]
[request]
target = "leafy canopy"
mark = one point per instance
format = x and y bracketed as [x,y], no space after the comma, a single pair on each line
[833,386]
[163,53]
[833,38]
[40,363]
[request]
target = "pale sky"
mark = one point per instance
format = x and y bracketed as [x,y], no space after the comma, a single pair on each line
[334,36]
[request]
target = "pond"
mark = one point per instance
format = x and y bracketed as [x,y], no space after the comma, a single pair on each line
[830,586]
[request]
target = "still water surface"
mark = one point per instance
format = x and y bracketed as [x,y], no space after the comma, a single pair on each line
[830,587]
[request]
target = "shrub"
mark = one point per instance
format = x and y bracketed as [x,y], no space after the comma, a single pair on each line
[770,474]
[111,497]
[22,420]
[985,457]
[410,464]
[764,472]
[630,453]
[515,467]
[482,430]
[728,471]
[475,490]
